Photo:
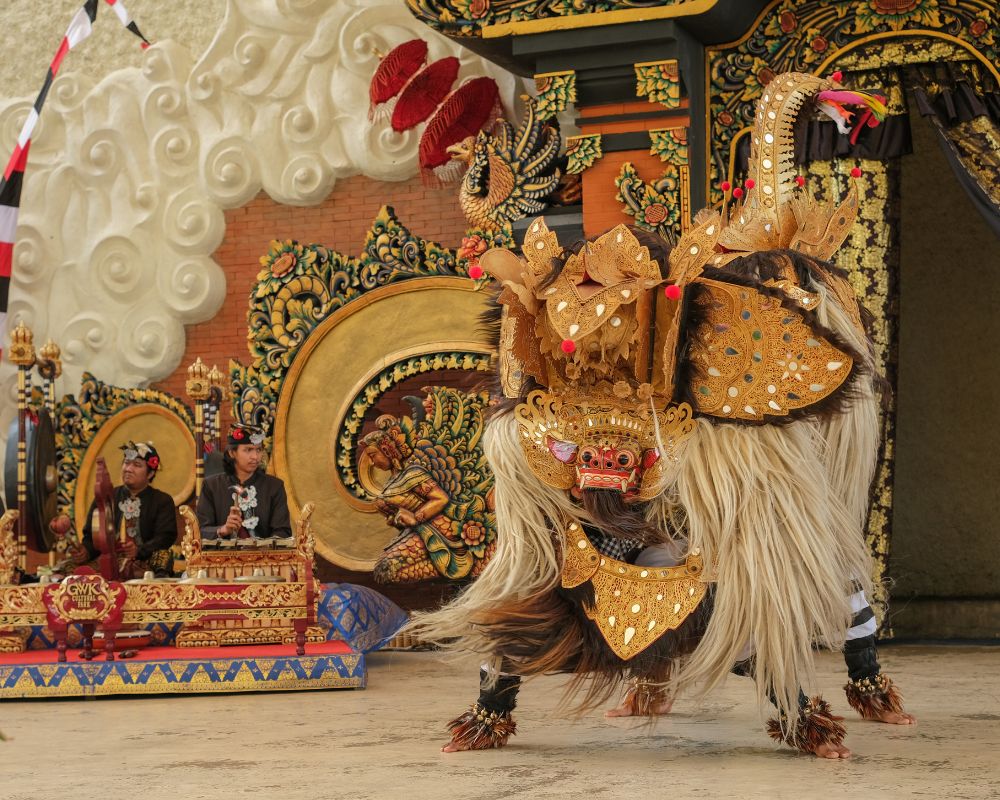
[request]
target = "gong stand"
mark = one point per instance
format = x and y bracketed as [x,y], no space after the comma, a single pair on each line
[50,368]
[102,525]
[216,397]
[198,389]
[22,355]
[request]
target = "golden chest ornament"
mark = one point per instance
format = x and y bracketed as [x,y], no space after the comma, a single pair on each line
[633,606]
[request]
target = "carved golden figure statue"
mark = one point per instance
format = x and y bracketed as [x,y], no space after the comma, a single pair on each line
[438,493]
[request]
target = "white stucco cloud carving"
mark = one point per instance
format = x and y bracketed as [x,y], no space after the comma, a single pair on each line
[129,175]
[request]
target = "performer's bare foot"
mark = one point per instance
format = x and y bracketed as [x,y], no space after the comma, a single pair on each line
[628,709]
[458,747]
[896,718]
[643,699]
[829,750]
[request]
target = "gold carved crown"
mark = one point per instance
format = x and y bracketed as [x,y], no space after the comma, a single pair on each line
[585,322]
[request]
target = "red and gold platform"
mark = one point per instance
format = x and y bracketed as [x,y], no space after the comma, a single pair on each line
[268,620]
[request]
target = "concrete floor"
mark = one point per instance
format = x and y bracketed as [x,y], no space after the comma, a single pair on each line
[384,741]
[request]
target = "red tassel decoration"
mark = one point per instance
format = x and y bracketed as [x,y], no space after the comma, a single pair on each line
[673,291]
[424,94]
[471,107]
[393,73]
[568,346]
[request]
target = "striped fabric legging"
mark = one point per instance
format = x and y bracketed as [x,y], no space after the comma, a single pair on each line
[860,653]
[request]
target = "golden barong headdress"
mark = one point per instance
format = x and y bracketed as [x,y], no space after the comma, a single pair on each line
[610,371]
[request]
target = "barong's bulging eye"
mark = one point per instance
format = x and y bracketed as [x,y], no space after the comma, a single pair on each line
[588,455]
[626,459]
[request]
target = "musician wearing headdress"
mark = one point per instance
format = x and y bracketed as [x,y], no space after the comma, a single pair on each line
[243,502]
[144,516]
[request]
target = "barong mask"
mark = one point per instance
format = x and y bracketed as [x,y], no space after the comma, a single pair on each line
[605,420]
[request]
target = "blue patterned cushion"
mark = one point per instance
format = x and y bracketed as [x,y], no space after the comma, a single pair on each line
[360,616]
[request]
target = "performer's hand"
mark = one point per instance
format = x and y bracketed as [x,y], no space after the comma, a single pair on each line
[233,522]
[129,548]
[405,518]
[79,555]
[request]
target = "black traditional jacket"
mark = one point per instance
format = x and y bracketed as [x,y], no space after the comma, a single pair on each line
[157,521]
[268,504]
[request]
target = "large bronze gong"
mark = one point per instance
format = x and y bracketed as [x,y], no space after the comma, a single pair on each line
[42,476]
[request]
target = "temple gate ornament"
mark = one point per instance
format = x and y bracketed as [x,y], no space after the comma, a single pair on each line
[659,82]
[492,18]
[556,92]
[439,489]
[662,206]
[670,145]
[582,152]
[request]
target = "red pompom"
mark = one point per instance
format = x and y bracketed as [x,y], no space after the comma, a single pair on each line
[750,183]
[725,186]
[673,291]
[856,172]
[475,272]
[800,180]
[837,76]
[737,193]
[568,346]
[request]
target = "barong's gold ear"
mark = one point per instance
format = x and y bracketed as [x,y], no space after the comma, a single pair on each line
[753,357]
[509,271]
[519,357]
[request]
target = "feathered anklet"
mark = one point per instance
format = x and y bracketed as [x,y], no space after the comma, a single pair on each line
[874,697]
[481,729]
[817,726]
